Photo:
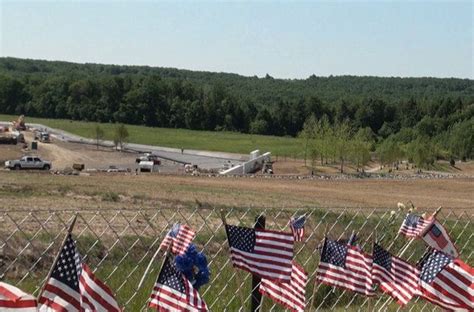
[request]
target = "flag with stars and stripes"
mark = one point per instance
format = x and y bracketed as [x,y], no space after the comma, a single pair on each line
[291,295]
[13,299]
[446,282]
[413,225]
[297,227]
[173,292]
[436,236]
[179,237]
[345,266]
[265,253]
[396,277]
[73,287]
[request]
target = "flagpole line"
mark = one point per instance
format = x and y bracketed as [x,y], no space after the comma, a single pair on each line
[167,252]
[238,280]
[315,282]
[142,280]
[69,231]
[409,244]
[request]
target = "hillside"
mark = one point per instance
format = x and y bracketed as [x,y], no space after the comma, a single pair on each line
[400,109]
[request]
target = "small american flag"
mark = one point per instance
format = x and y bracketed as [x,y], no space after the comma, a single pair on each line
[345,266]
[297,227]
[73,287]
[413,225]
[447,282]
[396,277]
[268,254]
[180,236]
[13,299]
[291,295]
[173,292]
[437,237]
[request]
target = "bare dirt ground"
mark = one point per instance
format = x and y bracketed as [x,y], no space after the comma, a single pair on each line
[29,190]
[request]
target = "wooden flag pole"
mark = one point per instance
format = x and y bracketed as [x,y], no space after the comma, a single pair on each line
[256,296]
[167,252]
[69,231]
[140,284]
[413,238]
[406,248]
[238,280]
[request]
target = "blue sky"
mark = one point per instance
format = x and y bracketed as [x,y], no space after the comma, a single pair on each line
[286,39]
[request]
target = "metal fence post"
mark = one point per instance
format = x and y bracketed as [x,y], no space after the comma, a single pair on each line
[256,295]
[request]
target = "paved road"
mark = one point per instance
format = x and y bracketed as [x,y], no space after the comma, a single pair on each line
[204,159]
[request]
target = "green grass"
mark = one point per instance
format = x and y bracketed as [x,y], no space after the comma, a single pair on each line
[122,263]
[232,142]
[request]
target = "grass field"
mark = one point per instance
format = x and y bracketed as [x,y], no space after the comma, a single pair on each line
[231,142]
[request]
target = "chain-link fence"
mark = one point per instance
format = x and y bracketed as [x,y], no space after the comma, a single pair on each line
[118,245]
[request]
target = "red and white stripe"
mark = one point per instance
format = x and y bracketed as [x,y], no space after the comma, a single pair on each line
[13,299]
[411,231]
[271,257]
[164,298]
[180,243]
[442,243]
[401,282]
[356,276]
[452,288]
[298,234]
[59,297]
[291,295]
[95,295]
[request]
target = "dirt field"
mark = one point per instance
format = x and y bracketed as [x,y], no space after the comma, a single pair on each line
[41,190]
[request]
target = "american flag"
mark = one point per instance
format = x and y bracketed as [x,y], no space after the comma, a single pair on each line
[345,266]
[297,227]
[436,236]
[447,282]
[73,287]
[291,295]
[396,277]
[180,236]
[268,254]
[173,292]
[13,299]
[413,225]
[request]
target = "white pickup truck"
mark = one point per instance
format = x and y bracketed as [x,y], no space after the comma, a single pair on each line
[28,162]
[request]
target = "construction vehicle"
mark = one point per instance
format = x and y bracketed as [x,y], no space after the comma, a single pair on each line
[19,124]
[12,137]
[148,166]
[42,136]
[148,157]
[28,162]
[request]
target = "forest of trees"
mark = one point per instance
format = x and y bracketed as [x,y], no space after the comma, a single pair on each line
[384,113]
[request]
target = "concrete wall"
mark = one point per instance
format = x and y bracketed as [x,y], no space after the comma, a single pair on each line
[255,163]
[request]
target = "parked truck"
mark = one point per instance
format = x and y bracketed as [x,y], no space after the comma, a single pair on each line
[28,163]
[42,136]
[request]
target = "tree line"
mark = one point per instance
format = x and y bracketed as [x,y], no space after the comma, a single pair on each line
[382,112]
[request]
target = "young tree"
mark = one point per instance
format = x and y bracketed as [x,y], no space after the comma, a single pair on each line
[422,152]
[360,147]
[390,151]
[121,135]
[99,135]
[308,134]
[343,136]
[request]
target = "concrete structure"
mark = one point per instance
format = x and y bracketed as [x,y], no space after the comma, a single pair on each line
[254,164]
